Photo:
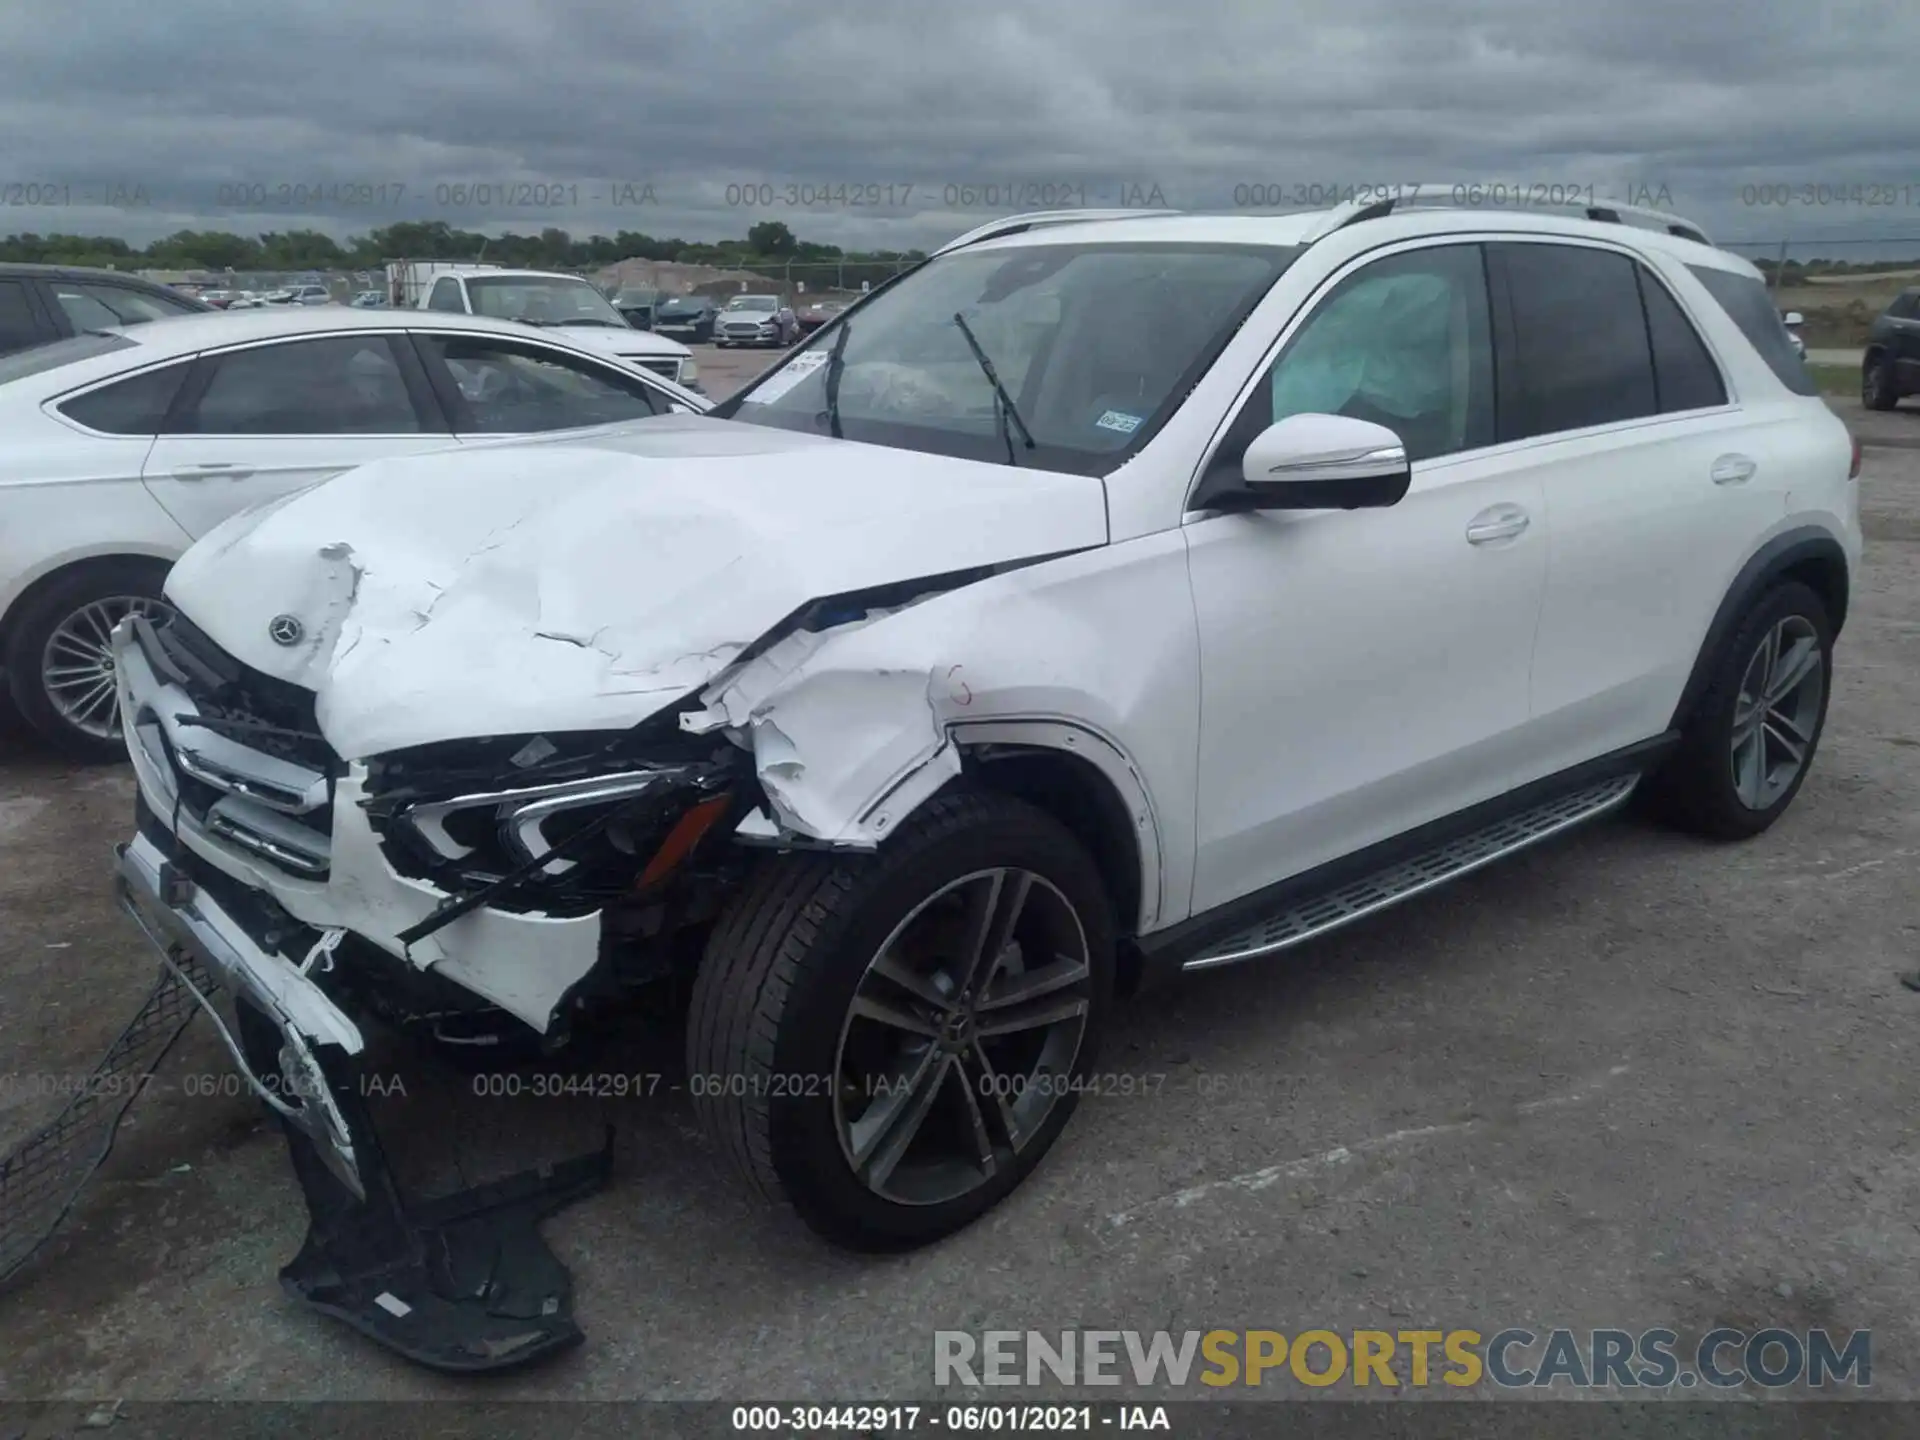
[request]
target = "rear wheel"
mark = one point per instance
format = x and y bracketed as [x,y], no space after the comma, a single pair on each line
[59,654]
[1749,744]
[892,1043]
[1877,388]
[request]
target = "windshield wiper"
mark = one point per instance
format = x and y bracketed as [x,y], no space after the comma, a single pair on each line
[1003,407]
[835,364]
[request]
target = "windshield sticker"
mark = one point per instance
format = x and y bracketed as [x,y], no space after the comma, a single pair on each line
[1119,420]
[785,378]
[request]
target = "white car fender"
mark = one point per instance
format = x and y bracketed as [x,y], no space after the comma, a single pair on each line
[853,728]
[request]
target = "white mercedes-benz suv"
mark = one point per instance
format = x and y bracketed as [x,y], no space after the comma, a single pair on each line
[1109,596]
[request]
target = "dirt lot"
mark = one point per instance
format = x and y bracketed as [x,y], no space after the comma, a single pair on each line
[1631,1080]
[1839,308]
[724,371]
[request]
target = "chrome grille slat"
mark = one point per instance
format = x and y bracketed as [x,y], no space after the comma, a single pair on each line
[267,807]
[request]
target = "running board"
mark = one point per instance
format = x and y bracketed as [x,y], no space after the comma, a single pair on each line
[1398,882]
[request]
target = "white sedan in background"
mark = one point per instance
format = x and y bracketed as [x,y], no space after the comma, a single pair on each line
[119,448]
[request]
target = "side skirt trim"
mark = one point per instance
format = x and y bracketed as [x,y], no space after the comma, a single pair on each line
[1302,906]
[1412,877]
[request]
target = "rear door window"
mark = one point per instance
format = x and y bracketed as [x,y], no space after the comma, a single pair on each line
[336,385]
[1582,357]
[508,388]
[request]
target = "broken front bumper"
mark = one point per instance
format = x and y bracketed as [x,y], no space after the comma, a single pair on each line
[177,915]
[462,1283]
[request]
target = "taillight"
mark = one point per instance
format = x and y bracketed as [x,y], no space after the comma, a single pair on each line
[1853,469]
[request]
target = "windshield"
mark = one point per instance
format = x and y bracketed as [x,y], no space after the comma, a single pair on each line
[542,300]
[683,307]
[1095,345]
[754,302]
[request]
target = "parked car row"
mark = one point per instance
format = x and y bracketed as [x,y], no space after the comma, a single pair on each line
[564,304]
[309,294]
[120,445]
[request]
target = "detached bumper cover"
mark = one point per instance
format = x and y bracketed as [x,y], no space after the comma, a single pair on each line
[176,915]
[463,1283]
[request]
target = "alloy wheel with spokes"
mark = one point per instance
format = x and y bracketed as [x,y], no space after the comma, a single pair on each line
[1776,716]
[890,1043]
[1747,744]
[962,1036]
[76,663]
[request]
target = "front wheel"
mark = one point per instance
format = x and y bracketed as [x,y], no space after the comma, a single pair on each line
[891,1043]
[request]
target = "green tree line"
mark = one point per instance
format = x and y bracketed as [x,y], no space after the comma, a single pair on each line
[768,243]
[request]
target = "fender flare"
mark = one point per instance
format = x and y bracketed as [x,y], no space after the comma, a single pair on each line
[1075,739]
[1785,552]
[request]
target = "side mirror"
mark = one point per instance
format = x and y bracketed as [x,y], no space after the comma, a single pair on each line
[1320,462]
[1793,317]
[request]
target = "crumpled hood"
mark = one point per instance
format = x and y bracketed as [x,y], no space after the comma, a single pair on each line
[586,583]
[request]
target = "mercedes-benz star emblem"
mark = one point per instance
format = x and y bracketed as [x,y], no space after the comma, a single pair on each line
[285,630]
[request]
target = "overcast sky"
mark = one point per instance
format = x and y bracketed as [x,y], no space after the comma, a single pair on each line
[182,106]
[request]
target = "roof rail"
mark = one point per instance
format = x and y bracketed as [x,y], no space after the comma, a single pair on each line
[1444,195]
[1037,219]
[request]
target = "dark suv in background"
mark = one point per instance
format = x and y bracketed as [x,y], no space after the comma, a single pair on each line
[635,306]
[39,303]
[687,317]
[1891,366]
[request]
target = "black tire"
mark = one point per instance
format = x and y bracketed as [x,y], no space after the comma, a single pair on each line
[1696,789]
[1879,390]
[778,978]
[33,624]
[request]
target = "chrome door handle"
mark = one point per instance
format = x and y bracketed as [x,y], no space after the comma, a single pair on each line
[1502,522]
[1732,470]
[211,470]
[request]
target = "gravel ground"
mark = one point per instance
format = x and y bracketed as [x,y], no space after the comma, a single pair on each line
[1629,1080]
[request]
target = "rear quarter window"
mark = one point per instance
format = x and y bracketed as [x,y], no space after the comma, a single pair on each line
[134,406]
[1750,306]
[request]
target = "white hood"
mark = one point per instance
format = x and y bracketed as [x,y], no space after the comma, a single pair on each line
[586,583]
[628,343]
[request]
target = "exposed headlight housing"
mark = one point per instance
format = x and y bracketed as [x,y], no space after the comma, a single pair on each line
[569,835]
[689,371]
[530,823]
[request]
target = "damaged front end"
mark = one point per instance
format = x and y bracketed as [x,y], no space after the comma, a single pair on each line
[465,892]
[463,773]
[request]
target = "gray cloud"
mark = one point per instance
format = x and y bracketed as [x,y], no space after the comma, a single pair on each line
[194,100]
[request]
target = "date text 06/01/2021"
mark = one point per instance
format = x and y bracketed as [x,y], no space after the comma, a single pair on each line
[963,1419]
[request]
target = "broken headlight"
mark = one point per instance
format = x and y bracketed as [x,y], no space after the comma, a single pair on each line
[558,843]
